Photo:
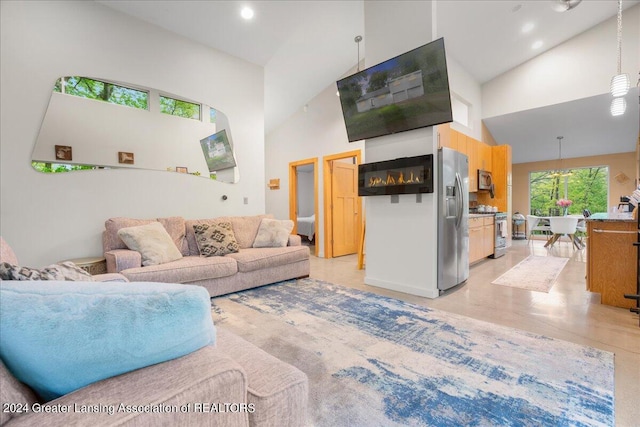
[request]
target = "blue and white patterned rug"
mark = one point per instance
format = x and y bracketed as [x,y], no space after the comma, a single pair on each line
[376,361]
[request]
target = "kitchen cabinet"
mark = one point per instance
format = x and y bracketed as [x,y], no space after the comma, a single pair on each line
[481,237]
[485,161]
[612,262]
[472,154]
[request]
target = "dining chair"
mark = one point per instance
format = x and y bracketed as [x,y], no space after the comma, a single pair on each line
[535,223]
[564,225]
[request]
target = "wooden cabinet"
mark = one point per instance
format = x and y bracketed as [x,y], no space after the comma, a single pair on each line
[488,236]
[612,262]
[485,161]
[481,237]
[472,153]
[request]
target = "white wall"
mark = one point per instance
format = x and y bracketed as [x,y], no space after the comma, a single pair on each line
[401,238]
[469,90]
[579,68]
[317,132]
[48,218]
[305,193]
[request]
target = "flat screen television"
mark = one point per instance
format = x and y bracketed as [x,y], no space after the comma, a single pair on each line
[407,92]
[217,151]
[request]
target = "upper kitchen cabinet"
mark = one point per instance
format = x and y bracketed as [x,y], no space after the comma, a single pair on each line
[501,172]
[485,160]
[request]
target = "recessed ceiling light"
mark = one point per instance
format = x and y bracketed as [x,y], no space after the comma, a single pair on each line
[246,12]
[537,45]
[528,27]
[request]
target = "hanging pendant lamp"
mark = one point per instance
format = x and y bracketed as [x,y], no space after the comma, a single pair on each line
[620,83]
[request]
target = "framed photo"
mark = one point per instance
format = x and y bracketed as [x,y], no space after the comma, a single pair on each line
[63,152]
[126,158]
[181,169]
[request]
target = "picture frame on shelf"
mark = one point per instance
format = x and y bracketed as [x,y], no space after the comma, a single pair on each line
[64,152]
[182,169]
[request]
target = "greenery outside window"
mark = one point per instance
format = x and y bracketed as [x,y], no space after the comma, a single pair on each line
[176,107]
[587,188]
[60,167]
[102,91]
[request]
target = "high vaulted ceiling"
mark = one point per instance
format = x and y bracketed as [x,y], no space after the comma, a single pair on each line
[307,45]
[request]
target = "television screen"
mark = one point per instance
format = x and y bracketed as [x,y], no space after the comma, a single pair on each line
[407,92]
[217,151]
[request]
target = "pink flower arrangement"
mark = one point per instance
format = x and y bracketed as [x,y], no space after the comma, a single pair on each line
[565,203]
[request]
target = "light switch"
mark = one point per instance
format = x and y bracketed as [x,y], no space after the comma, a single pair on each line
[246,200]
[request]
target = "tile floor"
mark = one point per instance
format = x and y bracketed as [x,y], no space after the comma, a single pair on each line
[567,312]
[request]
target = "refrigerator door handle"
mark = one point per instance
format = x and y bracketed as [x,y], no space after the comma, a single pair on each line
[459,201]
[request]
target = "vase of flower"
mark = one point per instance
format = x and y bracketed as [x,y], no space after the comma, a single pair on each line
[564,204]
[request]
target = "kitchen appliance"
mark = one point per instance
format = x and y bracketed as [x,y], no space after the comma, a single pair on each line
[501,231]
[485,182]
[453,218]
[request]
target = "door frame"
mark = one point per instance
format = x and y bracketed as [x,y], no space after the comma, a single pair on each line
[293,194]
[328,196]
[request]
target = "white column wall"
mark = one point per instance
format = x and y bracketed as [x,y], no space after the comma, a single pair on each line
[401,238]
[48,218]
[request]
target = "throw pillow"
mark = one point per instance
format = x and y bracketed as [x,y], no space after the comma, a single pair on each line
[57,339]
[273,233]
[62,271]
[152,241]
[215,239]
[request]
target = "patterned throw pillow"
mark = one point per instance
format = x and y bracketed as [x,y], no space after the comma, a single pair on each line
[273,233]
[62,271]
[215,239]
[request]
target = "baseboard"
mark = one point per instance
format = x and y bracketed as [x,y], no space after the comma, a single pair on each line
[400,287]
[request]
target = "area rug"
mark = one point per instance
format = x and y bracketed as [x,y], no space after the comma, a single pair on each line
[377,361]
[534,273]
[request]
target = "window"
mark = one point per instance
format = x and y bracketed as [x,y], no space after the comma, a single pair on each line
[102,91]
[176,107]
[587,188]
[60,167]
[460,110]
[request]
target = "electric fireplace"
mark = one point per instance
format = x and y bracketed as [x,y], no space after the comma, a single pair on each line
[407,175]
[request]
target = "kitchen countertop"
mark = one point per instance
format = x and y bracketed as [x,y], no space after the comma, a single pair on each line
[609,218]
[477,215]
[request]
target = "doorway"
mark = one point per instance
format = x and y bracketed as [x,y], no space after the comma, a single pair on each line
[342,206]
[303,201]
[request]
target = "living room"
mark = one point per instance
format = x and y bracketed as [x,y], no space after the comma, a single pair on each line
[49,218]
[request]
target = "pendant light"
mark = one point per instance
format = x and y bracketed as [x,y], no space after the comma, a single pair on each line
[620,83]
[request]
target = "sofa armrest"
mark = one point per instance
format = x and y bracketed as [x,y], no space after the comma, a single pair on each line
[166,394]
[295,240]
[122,259]
[110,277]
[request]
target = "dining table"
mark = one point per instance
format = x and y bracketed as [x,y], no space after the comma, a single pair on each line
[576,240]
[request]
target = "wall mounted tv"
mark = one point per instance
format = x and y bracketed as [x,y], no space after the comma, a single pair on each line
[217,151]
[407,92]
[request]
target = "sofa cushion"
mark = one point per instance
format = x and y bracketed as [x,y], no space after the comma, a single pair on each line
[13,391]
[6,253]
[215,239]
[273,233]
[174,225]
[258,258]
[60,336]
[152,241]
[63,271]
[185,270]
[246,228]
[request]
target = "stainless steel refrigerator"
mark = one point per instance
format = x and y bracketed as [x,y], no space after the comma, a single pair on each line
[453,218]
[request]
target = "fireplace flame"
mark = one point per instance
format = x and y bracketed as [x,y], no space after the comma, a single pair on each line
[398,179]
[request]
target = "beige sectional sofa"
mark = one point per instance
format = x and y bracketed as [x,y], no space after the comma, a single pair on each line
[248,268]
[192,390]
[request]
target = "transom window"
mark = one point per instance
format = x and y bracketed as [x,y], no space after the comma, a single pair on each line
[102,91]
[177,107]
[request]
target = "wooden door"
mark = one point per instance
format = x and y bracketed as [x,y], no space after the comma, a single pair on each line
[345,208]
